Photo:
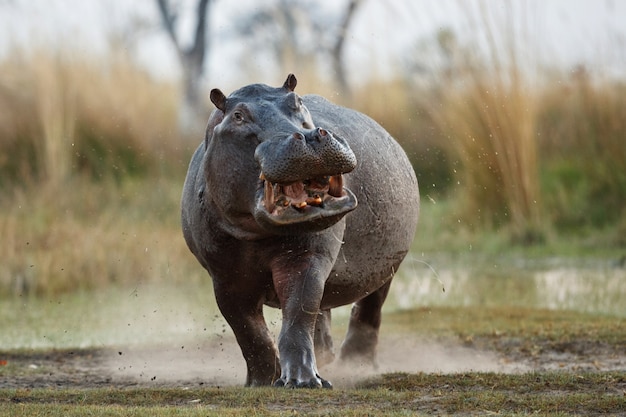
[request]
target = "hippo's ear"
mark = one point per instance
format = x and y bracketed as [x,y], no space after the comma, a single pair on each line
[290,83]
[219,99]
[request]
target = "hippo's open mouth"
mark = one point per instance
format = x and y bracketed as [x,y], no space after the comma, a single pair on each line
[312,204]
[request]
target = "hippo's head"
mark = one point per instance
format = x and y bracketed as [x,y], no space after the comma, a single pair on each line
[271,162]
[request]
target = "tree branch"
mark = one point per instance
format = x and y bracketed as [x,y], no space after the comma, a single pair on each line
[337,50]
[201,26]
[168,21]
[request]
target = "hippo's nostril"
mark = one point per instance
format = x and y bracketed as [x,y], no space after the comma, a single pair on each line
[298,136]
[322,132]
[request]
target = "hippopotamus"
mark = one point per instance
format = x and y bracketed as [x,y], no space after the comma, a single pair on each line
[297,203]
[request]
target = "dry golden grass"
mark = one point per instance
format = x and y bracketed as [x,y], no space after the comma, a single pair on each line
[491,126]
[82,236]
[485,106]
[64,113]
[77,133]
[91,164]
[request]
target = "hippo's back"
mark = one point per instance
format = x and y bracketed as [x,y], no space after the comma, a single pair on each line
[380,231]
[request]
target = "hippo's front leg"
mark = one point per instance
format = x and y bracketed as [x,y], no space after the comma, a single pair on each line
[243,310]
[299,280]
[302,293]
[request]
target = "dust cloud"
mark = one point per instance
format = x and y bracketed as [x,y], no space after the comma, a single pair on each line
[219,362]
[216,363]
[414,354]
[178,337]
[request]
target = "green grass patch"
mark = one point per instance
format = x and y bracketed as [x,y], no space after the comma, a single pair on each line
[392,394]
[510,322]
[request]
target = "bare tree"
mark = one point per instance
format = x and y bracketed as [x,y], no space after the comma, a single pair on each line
[286,30]
[192,59]
[298,33]
[339,45]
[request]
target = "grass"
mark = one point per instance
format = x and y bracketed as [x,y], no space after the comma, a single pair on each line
[91,170]
[91,164]
[583,123]
[485,106]
[489,325]
[523,148]
[83,235]
[92,167]
[147,314]
[397,394]
[88,235]
[66,113]
[550,394]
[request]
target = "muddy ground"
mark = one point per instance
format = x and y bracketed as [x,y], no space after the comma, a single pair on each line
[219,362]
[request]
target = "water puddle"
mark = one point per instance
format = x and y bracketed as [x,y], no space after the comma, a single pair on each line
[153,314]
[593,287]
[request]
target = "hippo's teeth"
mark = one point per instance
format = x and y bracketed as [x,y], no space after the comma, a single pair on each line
[269,196]
[282,201]
[315,200]
[335,187]
[312,192]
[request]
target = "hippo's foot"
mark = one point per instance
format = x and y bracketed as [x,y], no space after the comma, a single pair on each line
[323,341]
[263,381]
[360,346]
[362,337]
[361,358]
[317,382]
[324,356]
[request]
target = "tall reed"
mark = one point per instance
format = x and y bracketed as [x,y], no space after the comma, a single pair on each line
[74,132]
[56,107]
[486,108]
[88,235]
[65,112]
[583,127]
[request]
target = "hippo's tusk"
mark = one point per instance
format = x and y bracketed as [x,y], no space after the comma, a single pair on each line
[269,196]
[314,192]
[335,187]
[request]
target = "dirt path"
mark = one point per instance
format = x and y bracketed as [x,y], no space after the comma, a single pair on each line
[219,362]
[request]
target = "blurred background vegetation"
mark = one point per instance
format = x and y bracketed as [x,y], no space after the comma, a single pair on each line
[511,152]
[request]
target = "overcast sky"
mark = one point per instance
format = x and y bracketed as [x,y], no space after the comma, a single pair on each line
[560,32]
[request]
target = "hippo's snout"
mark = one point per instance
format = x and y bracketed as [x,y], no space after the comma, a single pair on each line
[303,183]
[316,135]
[303,155]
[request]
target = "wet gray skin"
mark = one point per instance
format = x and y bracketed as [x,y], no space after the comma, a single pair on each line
[299,204]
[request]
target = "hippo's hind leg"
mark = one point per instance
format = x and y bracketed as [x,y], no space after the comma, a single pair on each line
[323,341]
[244,314]
[362,337]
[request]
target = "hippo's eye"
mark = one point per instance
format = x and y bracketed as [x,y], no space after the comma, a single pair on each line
[238,116]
